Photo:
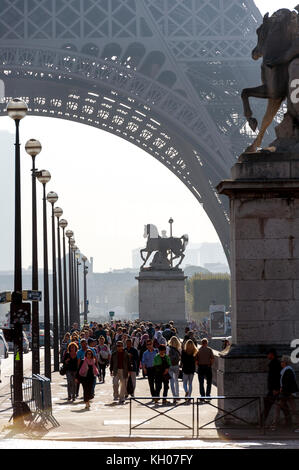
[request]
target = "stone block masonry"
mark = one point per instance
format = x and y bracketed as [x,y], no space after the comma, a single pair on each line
[264,219]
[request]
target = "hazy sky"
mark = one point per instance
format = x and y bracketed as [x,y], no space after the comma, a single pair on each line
[273,5]
[107,187]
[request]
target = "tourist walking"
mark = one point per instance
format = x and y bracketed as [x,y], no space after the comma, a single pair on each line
[81,355]
[70,363]
[273,382]
[161,364]
[188,361]
[133,363]
[174,353]
[86,375]
[119,370]
[142,348]
[64,344]
[104,356]
[288,387]
[100,331]
[205,359]
[148,365]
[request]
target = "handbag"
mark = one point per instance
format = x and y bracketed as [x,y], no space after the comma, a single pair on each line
[130,387]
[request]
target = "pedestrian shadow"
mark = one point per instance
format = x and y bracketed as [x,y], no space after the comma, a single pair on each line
[112,404]
[35,432]
[82,410]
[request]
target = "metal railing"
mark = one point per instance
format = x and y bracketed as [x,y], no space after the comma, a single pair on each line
[230,416]
[37,399]
[231,413]
[183,425]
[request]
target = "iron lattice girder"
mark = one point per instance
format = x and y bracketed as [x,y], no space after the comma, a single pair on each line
[57,65]
[189,50]
[126,117]
[178,20]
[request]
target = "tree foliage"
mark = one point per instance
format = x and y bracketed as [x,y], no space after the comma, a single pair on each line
[207,288]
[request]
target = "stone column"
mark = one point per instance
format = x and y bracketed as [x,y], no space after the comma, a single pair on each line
[264,220]
[162,296]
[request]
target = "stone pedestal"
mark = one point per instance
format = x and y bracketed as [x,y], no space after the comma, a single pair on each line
[264,219]
[162,296]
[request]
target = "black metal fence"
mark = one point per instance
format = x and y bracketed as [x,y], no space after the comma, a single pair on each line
[37,399]
[231,413]
[186,424]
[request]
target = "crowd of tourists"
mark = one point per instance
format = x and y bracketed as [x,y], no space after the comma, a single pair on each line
[130,349]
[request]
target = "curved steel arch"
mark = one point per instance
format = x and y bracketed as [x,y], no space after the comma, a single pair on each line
[105,95]
[68,59]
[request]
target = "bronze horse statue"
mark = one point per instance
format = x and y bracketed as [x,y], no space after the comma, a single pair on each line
[163,246]
[278,44]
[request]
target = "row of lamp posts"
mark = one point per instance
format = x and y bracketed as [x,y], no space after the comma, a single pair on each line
[67,294]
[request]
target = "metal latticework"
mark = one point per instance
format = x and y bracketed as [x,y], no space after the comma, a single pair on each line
[163,74]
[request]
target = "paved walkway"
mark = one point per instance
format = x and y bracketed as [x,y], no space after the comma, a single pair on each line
[108,423]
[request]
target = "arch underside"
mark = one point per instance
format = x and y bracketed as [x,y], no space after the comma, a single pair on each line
[108,96]
[165,75]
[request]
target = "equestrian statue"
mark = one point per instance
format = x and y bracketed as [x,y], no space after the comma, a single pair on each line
[167,249]
[278,46]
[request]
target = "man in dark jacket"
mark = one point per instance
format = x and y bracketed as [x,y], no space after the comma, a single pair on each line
[167,333]
[119,367]
[133,362]
[151,331]
[273,381]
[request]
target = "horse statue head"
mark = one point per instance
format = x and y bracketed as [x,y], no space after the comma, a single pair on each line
[278,45]
[275,34]
[150,231]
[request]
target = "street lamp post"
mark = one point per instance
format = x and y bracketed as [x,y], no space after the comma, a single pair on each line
[33,148]
[85,271]
[17,110]
[44,177]
[171,222]
[52,197]
[77,255]
[69,234]
[63,224]
[73,280]
[75,306]
[58,213]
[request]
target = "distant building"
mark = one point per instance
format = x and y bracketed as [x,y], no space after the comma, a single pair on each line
[212,253]
[217,267]
[192,257]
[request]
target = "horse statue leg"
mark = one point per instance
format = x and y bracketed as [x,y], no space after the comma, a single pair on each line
[181,259]
[257,92]
[146,258]
[272,108]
